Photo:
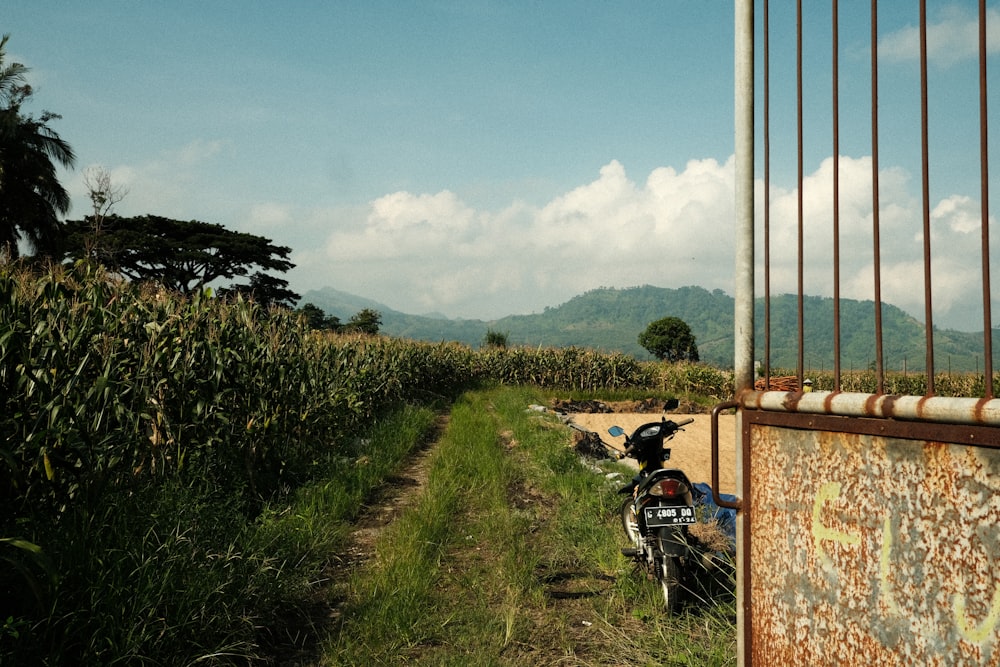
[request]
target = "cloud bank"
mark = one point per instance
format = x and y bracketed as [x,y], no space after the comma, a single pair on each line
[955,243]
[432,252]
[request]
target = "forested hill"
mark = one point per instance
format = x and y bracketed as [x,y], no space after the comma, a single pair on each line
[611,320]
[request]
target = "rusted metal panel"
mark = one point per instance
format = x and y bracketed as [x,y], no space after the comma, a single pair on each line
[868,547]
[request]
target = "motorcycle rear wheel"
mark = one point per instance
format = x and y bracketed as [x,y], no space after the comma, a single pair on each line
[670,582]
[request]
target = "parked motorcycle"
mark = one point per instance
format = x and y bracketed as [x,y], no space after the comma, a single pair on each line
[662,504]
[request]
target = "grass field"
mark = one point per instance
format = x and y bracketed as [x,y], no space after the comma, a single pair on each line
[507,553]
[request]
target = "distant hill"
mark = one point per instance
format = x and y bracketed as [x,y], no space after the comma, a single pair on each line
[611,319]
[433,327]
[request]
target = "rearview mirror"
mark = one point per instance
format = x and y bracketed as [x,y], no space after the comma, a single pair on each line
[671,404]
[616,431]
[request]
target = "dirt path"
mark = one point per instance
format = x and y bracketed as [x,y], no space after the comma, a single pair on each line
[379,511]
[690,451]
[394,496]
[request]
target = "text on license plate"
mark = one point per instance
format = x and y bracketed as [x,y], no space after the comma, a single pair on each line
[668,516]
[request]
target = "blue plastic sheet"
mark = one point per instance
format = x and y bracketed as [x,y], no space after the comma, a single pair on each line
[726,517]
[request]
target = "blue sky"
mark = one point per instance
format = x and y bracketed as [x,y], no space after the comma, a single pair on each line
[480,159]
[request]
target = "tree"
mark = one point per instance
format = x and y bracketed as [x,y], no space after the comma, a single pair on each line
[31,197]
[669,339]
[495,339]
[316,319]
[365,321]
[103,194]
[182,256]
[264,289]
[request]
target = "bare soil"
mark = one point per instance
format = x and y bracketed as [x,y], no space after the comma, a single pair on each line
[691,449]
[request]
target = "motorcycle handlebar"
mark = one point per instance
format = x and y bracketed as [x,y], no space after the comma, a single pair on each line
[677,426]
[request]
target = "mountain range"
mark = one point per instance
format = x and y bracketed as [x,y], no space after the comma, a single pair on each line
[611,319]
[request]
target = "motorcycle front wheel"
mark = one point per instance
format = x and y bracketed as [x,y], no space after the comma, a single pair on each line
[630,522]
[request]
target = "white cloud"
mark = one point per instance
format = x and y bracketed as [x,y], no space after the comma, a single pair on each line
[952,39]
[960,213]
[269,215]
[197,152]
[168,185]
[955,243]
[424,252]
[421,252]
[436,251]
[405,226]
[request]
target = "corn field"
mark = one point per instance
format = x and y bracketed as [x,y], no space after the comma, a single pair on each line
[104,384]
[130,416]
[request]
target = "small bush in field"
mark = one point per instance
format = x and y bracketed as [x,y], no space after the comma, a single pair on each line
[495,339]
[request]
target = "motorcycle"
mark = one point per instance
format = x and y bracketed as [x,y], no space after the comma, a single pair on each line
[662,504]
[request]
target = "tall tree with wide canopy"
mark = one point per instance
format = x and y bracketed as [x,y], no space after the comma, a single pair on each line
[31,197]
[670,339]
[181,255]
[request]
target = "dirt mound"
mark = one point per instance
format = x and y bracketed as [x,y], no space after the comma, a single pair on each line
[589,444]
[644,406]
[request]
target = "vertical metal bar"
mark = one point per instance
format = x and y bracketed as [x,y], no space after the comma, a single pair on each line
[800,362]
[716,498]
[836,196]
[985,204]
[925,184]
[767,199]
[744,315]
[879,369]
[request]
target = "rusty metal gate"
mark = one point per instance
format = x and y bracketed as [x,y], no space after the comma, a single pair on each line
[869,521]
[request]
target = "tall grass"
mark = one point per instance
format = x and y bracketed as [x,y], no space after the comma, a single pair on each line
[171,576]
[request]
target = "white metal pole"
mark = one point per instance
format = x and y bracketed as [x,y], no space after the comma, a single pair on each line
[744,287]
[744,281]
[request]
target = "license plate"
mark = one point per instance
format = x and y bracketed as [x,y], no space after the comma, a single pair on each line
[657,517]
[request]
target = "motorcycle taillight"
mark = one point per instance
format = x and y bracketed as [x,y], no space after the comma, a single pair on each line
[668,488]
